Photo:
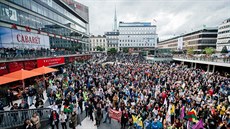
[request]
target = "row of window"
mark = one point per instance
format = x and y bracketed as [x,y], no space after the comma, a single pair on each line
[226,26]
[223,32]
[12,15]
[127,44]
[137,28]
[97,40]
[137,32]
[136,41]
[30,4]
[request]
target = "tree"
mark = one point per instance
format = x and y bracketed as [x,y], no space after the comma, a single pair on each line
[224,50]
[99,48]
[190,51]
[209,50]
[125,50]
[112,50]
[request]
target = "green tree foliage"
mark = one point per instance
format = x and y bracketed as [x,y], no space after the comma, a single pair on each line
[112,50]
[125,50]
[99,48]
[224,50]
[209,50]
[190,51]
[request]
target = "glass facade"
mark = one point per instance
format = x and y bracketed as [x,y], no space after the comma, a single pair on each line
[52,18]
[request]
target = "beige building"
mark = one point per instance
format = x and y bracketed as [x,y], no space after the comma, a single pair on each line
[198,40]
[96,41]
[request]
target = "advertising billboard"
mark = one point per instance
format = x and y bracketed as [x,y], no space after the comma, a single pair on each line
[180,43]
[11,38]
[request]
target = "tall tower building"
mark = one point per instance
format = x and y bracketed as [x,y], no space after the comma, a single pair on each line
[115,20]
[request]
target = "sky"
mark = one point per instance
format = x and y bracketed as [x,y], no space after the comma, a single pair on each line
[173,17]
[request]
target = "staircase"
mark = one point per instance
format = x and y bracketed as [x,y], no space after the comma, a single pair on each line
[15,119]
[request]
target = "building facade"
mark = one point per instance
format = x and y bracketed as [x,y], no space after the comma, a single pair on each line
[137,35]
[198,40]
[223,38]
[51,24]
[112,39]
[98,41]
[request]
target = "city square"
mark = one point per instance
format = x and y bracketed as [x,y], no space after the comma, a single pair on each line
[121,64]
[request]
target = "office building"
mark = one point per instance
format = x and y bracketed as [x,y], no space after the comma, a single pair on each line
[223,38]
[112,39]
[57,24]
[137,35]
[198,40]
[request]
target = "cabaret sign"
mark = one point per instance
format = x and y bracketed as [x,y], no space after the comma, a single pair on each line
[28,39]
[11,38]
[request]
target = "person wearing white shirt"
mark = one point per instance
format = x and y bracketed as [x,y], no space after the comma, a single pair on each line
[62,118]
[54,107]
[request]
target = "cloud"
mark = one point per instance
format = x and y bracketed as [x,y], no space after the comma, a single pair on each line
[173,16]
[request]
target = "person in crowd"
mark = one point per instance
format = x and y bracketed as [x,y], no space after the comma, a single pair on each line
[124,119]
[98,115]
[9,98]
[24,106]
[54,119]
[63,119]
[36,121]
[31,93]
[1,110]
[14,114]
[28,124]
[73,120]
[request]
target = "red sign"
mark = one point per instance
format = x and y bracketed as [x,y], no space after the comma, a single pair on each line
[50,61]
[3,69]
[71,59]
[15,66]
[29,65]
[115,114]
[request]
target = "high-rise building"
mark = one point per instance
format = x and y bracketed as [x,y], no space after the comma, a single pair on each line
[137,35]
[198,40]
[223,38]
[62,24]
[98,41]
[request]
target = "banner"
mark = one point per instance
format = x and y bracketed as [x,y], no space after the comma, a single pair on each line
[11,38]
[115,114]
[15,66]
[3,69]
[30,64]
[180,43]
[50,61]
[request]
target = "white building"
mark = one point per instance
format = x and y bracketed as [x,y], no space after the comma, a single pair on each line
[137,35]
[98,41]
[223,38]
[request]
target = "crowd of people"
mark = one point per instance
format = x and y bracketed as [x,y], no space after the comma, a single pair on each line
[150,96]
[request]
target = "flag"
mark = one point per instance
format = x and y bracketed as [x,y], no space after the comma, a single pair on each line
[168,115]
[198,125]
[192,116]
[137,121]
[182,113]
[188,124]
[165,103]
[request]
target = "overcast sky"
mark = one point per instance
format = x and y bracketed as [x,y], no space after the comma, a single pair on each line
[173,17]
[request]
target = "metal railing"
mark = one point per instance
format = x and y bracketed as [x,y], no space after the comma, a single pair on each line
[204,58]
[9,119]
[20,54]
